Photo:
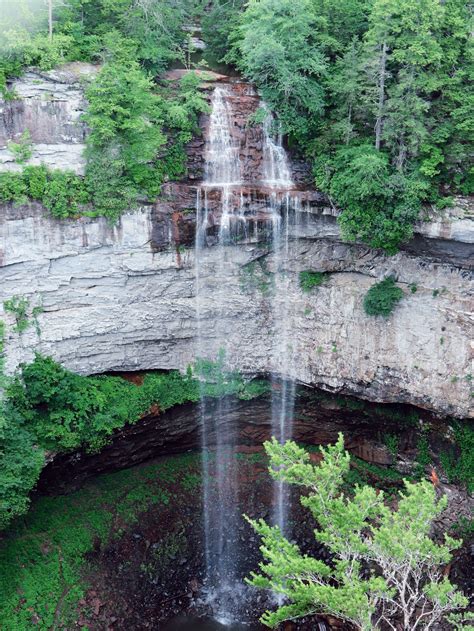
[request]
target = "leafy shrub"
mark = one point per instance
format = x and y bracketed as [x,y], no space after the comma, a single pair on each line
[458,464]
[22,150]
[21,461]
[379,205]
[63,193]
[137,136]
[18,306]
[49,407]
[309,279]
[382,298]
[66,410]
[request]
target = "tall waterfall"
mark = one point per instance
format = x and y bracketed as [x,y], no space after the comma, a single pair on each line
[277,177]
[221,204]
[220,485]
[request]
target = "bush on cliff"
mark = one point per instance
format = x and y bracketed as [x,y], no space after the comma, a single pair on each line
[65,410]
[382,298]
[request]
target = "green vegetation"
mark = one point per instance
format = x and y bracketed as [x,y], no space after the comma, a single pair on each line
[49,408]
[423,456]
[19,306]
[255,276]
[376,94]
[66,410]
[458,463]
[358,530]
[138,127]
[309,280]
[382,298]
[392,443]
[43,557]
[22,150]
[62,192]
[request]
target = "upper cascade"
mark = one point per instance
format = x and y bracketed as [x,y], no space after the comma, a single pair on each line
[276,168]
[223,167]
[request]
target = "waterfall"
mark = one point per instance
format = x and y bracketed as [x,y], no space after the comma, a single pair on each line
[221,204]
[276,170]
[220,484]
[284,206]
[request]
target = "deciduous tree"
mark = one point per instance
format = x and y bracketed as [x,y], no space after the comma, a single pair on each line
[384,569]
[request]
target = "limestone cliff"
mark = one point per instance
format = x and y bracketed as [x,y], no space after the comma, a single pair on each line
[123,297]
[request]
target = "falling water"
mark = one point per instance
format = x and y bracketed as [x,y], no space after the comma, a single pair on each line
[222,195]
[221,512]
[283,205]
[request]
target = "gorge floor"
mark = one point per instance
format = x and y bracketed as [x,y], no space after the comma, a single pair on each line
[125,551]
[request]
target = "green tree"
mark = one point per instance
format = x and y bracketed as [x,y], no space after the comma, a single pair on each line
[277,49]
[405,584]
[404,36]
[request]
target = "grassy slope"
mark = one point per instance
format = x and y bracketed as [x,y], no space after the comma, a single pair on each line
[43,565]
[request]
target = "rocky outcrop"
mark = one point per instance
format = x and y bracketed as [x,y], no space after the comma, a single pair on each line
[110,299]
[50,106]
[318,419]
[124,297]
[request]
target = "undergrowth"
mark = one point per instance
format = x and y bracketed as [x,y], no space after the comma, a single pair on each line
[309,280]
[43,557]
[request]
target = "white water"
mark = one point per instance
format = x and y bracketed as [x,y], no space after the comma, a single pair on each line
[223,181]
[284,207]
[220,489]
[276,169]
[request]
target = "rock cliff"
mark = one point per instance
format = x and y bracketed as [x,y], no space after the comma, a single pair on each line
[123,297]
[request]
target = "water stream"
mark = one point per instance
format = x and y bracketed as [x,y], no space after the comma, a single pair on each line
[215,266]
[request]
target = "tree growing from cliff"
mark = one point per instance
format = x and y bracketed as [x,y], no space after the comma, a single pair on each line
[385,570]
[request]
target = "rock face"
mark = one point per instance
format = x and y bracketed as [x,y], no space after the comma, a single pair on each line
[49,105]
[318,419]
[110,299]
[123,297]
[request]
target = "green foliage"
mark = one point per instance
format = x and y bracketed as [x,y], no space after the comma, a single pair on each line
[276,47]
[2,352]
[19,307]
[51,408]
[380,205]
[22,150]
[309,279]
[217,381]
[458,464]
[461,620]
[44,563]
[358,529]
[63,193]
[218,25]
[21,461]
[138,133]
[382,298]
[423,457]
[65,410]
[391,442]
[375,93]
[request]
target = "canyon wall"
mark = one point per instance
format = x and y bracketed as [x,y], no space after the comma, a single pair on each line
[113,298]
[109,299]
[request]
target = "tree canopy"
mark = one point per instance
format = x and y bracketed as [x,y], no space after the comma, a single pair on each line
[384,568]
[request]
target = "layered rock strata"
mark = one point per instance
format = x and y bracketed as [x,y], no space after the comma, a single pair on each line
[123,297]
